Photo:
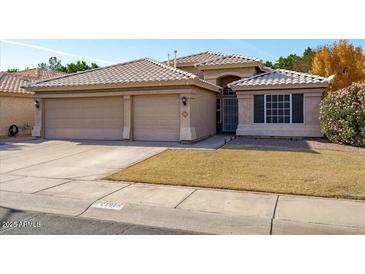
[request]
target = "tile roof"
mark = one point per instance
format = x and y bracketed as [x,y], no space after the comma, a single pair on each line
[12,82]
[130,73]
[197,58]
[39,73]
[279,77]
[228,60]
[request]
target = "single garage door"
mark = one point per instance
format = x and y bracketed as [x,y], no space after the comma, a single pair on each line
[99,118]
[156,118]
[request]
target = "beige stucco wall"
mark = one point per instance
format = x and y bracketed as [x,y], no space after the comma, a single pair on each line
[38,128]
[16,110]
[197,118]
[310,127]
[312,106]
[213,75]
[203,113]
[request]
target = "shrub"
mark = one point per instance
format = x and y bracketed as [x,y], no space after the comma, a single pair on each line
[342,115]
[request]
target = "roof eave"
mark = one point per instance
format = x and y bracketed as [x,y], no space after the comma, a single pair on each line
[206,85]
[10,93]
[281,86]
[194,81]
[225,66]
[183,65]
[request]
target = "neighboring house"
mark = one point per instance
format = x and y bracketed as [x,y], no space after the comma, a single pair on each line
[206,93]
[35,74]
[17,104]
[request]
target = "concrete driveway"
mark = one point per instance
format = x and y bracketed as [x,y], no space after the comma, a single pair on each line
[69,159]
[84,160]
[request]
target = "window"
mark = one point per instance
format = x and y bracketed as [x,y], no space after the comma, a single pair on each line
[277,109]
[228,91]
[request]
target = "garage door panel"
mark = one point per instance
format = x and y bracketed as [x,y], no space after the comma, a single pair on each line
[84,118]
[156,118]
[87,134]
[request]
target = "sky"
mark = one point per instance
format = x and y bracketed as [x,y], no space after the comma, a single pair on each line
[22,54]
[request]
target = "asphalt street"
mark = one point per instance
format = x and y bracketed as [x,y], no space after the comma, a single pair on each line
[15,222]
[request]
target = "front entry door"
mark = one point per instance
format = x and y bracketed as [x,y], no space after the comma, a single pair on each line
[230,113]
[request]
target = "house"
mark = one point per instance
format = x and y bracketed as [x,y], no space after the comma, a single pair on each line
[185,99]
[16,103]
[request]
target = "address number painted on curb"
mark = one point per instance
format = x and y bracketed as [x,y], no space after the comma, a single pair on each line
[108,205]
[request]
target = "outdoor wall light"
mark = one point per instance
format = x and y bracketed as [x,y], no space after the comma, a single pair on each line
[184,100]
[36,103]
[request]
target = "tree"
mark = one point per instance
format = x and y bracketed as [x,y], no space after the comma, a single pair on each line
[53,64]
[305,62]
[287,62]
[78,66]
[12,70]
[341,59]
[294,62]
[269,64]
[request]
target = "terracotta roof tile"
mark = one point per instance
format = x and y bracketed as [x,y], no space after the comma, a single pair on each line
[137,71]
[229,59]
[198,57]
[12,84]
[38,73]
[279,77]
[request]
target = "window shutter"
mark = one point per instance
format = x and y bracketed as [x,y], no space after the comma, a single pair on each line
[297,108]
[258,114]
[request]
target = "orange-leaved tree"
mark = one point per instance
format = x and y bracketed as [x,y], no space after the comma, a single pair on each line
[341,59]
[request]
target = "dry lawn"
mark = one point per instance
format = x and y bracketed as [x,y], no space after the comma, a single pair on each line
[319,173]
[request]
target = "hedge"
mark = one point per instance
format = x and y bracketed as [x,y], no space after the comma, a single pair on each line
[342,115]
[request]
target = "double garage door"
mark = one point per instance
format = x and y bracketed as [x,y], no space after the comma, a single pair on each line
[155,118]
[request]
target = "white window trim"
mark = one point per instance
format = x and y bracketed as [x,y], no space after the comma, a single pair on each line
[264,109]
[291,109]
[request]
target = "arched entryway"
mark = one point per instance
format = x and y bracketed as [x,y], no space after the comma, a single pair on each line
[227,106]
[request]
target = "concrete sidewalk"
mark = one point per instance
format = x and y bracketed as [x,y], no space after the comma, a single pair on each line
[186,208]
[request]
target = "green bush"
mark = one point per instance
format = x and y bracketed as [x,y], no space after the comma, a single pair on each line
[342,115]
